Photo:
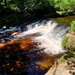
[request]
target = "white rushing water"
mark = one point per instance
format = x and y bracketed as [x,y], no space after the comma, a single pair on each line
[51,34]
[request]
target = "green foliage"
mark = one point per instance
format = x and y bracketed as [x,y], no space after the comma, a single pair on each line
[33,9]
[65,7]
[72,29]
[26,10]
[64,41]
[68,42]
[52,2]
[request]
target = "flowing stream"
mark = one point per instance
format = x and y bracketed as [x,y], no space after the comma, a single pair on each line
[47,34]
[50,35]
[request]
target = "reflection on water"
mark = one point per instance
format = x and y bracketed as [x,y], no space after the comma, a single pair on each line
[65,20]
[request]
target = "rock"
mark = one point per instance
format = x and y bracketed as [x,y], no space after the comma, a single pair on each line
[15,33]
[51,70]
[2,45]
[70,44]
[71,64]
[4,27]
[73,33]
[59,69]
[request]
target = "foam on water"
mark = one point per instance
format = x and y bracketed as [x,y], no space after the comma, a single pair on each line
[51,35]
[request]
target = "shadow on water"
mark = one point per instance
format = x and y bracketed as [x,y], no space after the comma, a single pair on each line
[18,62]
[30,61]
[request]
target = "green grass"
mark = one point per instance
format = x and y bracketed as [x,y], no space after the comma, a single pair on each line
[72,29]
[64,41]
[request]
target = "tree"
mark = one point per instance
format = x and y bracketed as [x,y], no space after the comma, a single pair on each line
[5,1]
[65,7]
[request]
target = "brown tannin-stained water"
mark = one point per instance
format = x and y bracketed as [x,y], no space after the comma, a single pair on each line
[23,57]
[33,51]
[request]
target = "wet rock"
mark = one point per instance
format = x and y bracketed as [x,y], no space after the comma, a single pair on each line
[71,64]
[7,35]
[15,33]
[4,27]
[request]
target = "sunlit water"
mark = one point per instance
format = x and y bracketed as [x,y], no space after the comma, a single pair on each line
[51,34]
[47,34]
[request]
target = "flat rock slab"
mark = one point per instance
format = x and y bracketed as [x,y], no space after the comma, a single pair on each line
[59,69]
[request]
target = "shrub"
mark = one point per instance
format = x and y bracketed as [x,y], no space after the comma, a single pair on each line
[64,7]
[64,41]
[68,41]
[72,29]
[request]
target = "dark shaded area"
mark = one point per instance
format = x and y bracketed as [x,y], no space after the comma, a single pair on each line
[18,58]
[26,10]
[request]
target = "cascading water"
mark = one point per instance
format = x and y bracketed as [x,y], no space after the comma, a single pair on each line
[50,38]
[33,50]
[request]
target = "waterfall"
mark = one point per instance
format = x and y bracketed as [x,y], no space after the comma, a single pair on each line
[50,38]
[32,47]
[48,35]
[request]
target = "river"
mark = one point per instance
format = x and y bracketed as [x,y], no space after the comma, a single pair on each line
[34,48]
